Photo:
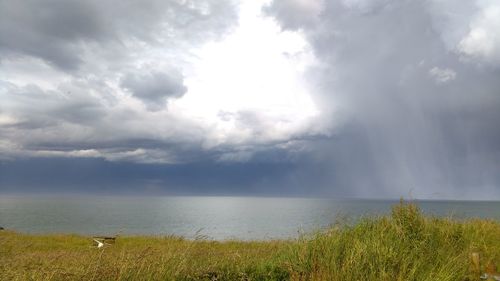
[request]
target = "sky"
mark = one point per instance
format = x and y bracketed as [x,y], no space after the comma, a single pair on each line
[335,98]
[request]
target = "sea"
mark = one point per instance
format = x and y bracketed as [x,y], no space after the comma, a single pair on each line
[213,218]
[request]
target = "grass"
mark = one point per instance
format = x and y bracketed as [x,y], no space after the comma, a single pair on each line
[405,245]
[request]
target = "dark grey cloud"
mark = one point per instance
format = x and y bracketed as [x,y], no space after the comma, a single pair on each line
[420,114]
[65,33]
[50,30]
[155,88]
[87,175]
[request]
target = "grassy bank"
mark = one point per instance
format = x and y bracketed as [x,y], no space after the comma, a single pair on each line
[402,246]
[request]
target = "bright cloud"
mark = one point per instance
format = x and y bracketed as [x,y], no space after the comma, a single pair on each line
[442,75]
[483,39]
[257,69]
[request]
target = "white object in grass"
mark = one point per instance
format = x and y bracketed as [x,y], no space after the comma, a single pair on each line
[99,243]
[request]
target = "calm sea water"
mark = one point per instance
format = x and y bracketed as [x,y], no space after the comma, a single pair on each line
[210,217]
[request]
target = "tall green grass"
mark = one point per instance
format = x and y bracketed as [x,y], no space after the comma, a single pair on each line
[405,245]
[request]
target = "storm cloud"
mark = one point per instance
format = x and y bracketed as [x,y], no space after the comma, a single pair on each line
[420,106]
[405,97]
[155,88]
[68,33]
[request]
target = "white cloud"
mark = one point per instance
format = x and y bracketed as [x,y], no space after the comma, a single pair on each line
[6,120]
[483,39]
[442,75]
[259,70]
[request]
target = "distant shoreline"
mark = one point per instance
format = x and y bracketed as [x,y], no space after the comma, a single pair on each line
[269,196]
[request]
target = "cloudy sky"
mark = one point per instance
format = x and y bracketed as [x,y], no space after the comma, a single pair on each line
[340,98]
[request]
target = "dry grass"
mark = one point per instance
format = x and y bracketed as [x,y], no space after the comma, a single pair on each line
[403,246]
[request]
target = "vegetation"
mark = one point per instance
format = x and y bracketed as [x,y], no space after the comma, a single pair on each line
[405,245]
